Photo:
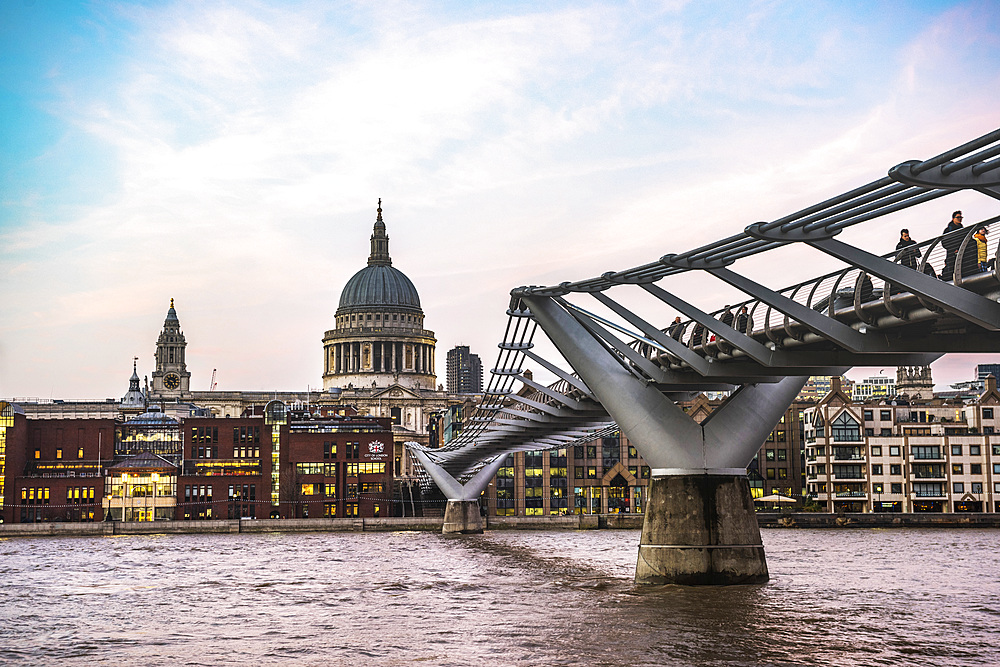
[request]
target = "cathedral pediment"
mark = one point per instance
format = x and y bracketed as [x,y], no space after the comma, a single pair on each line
[396,392]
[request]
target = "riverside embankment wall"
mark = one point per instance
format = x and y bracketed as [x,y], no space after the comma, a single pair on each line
[570,522]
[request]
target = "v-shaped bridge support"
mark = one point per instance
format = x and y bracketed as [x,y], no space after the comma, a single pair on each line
[462,513]
[699,526]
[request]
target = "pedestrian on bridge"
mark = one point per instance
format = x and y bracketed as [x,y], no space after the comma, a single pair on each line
[905,254]
[674,331]
[982,254]
[951,240]
[743,321]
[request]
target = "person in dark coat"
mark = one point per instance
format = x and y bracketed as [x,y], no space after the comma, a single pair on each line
[698,335]
[951,239]
[674,331]
[907,257]
[727,316]
[742,320]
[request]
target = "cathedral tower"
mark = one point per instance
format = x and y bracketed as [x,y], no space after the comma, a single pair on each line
[171,378]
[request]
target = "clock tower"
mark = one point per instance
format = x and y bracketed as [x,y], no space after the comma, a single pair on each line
[171,378]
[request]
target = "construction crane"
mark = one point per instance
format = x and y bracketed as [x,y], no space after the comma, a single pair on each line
[212,388]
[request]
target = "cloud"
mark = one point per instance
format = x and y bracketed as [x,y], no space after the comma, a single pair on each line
[510,147]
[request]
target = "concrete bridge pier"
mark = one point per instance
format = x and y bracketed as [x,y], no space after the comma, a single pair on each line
[698,530]
[462,516]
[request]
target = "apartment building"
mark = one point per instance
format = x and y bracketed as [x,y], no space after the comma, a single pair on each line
[898,456]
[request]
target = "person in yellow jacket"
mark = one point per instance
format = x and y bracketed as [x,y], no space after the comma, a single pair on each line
[980,237]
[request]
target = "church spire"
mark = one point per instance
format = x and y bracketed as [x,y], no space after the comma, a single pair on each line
[380,242]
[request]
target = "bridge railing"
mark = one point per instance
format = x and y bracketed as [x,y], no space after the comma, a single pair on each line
[849,291]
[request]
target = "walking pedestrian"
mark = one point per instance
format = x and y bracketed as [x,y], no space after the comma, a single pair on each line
[906,255]
[982,253]
[951,239]
[674,331]
[743,320]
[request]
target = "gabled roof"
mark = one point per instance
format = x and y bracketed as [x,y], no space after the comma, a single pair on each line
[836,396]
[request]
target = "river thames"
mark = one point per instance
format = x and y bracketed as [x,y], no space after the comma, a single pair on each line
[842,597]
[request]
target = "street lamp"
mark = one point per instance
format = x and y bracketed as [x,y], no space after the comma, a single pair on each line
[156,478]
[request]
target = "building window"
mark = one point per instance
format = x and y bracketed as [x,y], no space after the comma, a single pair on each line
[869,432]
[975,450]
[975,468]
[770,473]
[79,453]
[956,450]
[782,473]
[893,450]
[885,415]
[59,453]
[896,487]
[845,429]
[876,450]
[987,413]
[886,432]
[976,487]
[876,488]
[926,452]
[877,469]
[869,415]
[988,430]
[956,468]
[958,487]
[895,469]
[782,454]
[769,454]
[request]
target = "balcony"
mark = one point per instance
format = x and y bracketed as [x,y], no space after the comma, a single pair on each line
[842,476]
[851,494]
[928,471]
[848,457]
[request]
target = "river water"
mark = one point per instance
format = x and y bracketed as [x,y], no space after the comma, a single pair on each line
[840,597]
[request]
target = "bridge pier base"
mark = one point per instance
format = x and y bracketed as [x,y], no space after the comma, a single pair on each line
[462,516]
[700,530]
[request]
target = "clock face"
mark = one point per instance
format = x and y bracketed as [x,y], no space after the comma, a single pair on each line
[171,381]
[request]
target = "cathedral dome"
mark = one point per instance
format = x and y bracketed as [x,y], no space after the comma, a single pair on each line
[379,286]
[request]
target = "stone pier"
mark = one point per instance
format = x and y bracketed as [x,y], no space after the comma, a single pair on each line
[462,516]
[698,530]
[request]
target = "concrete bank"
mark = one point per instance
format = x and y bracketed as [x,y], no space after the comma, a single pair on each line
[380,524]
[392,524]
[878,520]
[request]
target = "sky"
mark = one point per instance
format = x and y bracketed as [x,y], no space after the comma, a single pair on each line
[230,156]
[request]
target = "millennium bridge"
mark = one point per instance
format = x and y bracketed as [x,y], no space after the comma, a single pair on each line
[630,364]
